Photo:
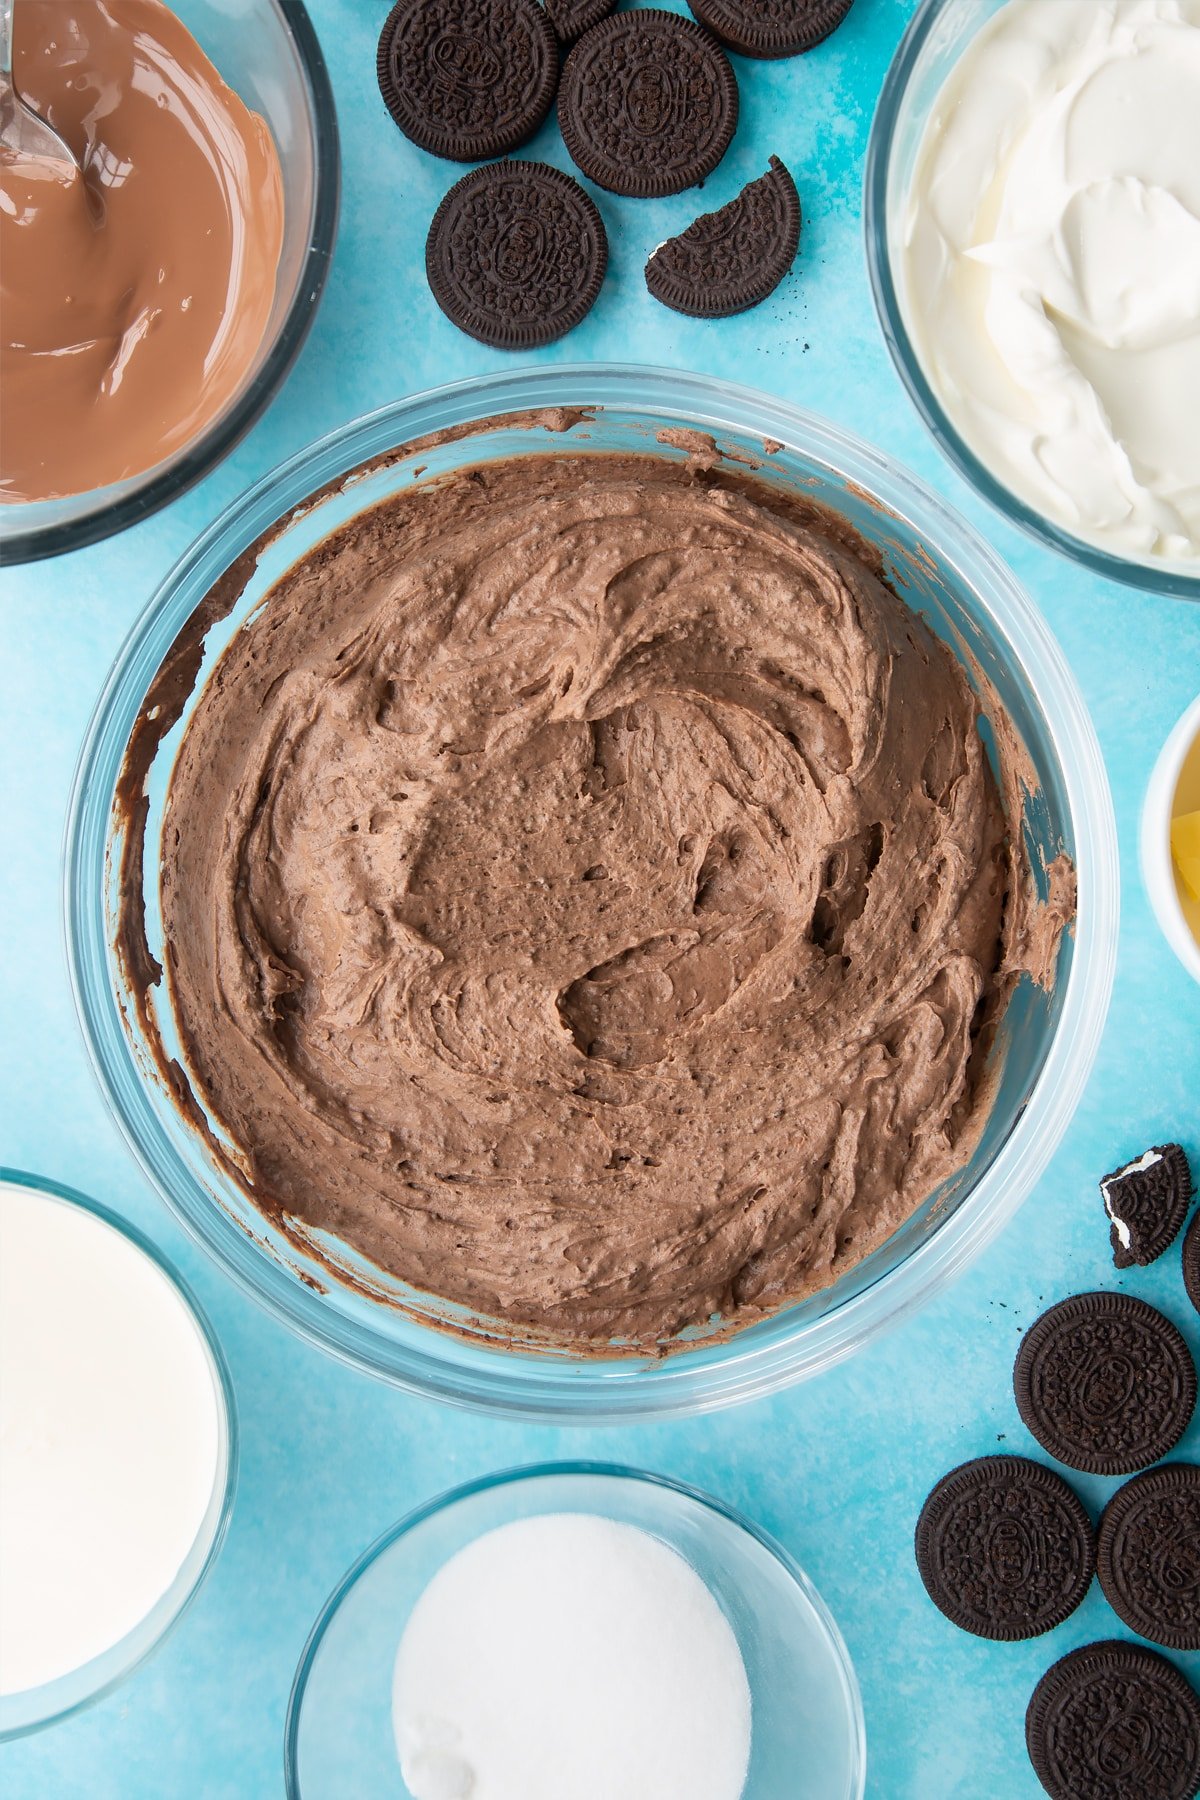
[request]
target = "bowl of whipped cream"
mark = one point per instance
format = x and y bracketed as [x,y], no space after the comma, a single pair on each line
[1032,215]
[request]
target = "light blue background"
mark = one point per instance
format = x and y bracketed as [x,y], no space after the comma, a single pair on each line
[837,1469]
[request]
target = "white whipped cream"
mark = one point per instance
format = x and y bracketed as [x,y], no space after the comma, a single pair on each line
[1051,264]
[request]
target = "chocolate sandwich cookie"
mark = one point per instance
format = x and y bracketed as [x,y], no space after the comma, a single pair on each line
[771,28]
[1147,1202]
[571,18]
[732,259]
[1191,1262]
[516,254]
[1114,1721]
[1005,1548]
[467,79]
[647,103]
[1149,1555]
[1105,1383]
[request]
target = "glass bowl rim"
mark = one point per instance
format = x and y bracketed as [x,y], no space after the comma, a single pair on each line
[36,542]
[1154,838]
[1164,578]
[533,1472]
[227,1416]
[612,1391]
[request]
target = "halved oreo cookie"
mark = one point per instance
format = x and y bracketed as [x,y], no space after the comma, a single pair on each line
[1005,1548]
[467,79]
[769,28]
[516,254]
[1191,1262]
[571,18]
[1147,1202]
[1105,1383]
[1149,1555]
[1115,1721]
[647,103]
[729,260]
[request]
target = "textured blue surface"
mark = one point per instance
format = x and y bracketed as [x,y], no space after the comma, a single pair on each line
[836,1469]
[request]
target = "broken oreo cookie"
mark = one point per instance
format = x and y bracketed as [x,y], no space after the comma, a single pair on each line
[1105,1383]
[647,103]
[1005,1548]
[1149,1555]
[771,28]
[516,254]
[467,79]
[1114,1721]
[1147,1202]
[732,259]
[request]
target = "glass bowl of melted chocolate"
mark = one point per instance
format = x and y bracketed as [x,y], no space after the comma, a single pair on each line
[591,892]
[155,292]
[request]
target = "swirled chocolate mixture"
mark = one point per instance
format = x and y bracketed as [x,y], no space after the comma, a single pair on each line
[587,896]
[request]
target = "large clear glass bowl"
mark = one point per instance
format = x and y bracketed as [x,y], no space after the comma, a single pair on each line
[32,1708]
[1046,1043]
[268,53]
[807,1712]
[937,35]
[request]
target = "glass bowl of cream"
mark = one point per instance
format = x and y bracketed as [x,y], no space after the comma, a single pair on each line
[152,306]
[120,1450]
[481,1641]
[1032,214]
[317,1279]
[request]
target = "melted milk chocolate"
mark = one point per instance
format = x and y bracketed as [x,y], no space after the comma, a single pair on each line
[586,895]
[132,302]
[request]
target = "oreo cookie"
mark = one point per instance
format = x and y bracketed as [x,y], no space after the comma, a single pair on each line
[1149,1555]
[1191,1262]
[647,103]
[770,28]
[1005,1548]
[1115,1721]
[1147,1202]
[1105,1383]
[730,260]
[516,254]
[467,79]
[571,18]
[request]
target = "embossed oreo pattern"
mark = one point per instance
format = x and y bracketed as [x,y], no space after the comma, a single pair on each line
[1191,1262]
[1149,1555]
[1114,1721]
[769,28]
[729,260]
[1150,1203]
[467,79]
[1105,1383]
[1005,1548]
[516,254]
[647,104]
[571,18]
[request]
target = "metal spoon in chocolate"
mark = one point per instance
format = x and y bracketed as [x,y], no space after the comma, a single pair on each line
[23,134]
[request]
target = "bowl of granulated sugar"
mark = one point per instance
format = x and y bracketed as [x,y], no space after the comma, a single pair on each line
[575,1632]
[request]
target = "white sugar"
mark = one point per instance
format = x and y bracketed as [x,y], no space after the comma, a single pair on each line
[570,1657]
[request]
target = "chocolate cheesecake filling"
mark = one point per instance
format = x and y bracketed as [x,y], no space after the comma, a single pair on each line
[586,895]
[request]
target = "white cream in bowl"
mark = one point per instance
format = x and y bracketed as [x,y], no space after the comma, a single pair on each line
[111,1439]
[1050,265]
